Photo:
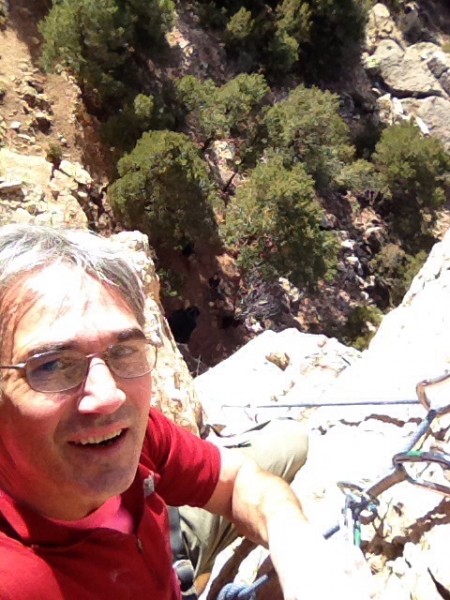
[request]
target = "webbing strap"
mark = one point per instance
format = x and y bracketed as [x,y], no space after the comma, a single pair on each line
[181,563]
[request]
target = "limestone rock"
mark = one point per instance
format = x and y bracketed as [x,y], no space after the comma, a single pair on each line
[34,170]
[233,392]
[380,26]
[173,390]
[76,172]
[405,72]
[435,113]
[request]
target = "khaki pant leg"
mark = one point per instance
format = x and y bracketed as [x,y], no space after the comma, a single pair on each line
[280,447]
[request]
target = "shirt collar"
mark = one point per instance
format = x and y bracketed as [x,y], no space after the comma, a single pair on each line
[22,523]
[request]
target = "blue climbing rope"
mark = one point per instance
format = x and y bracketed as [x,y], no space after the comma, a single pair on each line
[239,591]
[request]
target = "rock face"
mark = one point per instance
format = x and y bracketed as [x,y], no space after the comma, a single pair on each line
[412,80]
[173,386]
[407,536]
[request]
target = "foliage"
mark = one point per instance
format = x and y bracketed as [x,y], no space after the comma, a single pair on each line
[97,42]
[361,326]
[307,128]
[200,98]
[395,269]
[292,31]
[171,282]
[164,190]
[122,129]
[54,154]
[3,13]
[234,109]
[360,177]
[240,28]
[336,34]
[219,111]
[242,98]
[416,173]
[273,225]
[277,36]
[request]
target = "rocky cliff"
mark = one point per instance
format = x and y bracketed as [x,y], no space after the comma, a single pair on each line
[353,406]
[407,73]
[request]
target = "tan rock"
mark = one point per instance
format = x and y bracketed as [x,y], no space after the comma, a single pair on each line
[33,170]
[76,171]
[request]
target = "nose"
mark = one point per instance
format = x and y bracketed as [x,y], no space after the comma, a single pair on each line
[100,393]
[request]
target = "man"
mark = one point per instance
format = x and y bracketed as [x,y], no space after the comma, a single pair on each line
[86,470]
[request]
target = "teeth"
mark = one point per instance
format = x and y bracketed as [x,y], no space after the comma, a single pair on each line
[99,439]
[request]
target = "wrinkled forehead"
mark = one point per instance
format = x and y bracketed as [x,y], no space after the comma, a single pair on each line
[53,303]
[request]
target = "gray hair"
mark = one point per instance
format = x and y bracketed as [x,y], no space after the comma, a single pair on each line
[28,248]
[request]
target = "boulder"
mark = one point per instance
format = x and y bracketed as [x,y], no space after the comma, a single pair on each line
[34,170]
[405,72]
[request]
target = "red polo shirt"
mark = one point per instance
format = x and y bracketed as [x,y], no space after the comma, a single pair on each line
[87,560]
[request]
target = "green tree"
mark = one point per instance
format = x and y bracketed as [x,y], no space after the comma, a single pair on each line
[416,174]
[307,128]
[318,35]
[240,28]
[395,269]
[232,109]
[164,190]
[205,111]
[335,36]
[97,42]
[273,225]
[362,324]
[122,129]
[292,31]
[242,98]
[360,177]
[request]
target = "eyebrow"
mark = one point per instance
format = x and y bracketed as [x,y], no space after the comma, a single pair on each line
[124,335]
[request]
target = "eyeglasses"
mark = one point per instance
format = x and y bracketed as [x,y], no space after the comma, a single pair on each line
[63,370]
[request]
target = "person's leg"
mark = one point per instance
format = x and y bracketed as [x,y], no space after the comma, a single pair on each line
[280,447]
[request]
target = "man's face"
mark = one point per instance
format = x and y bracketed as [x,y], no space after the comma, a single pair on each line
[54,453]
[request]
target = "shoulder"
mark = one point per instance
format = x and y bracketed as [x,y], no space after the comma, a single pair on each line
[23,574]
[163,436]
[183,461]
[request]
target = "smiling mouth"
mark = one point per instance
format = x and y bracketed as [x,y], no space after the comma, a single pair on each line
[102,441]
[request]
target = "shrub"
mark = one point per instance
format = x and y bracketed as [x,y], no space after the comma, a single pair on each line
[416,173]
[360,178]
[335,36]
[276,35]
[97,41]
[361,326]
[292,31]
[171,282]
[307,128]
[240,28]
[273,225]
[54,154]
[124,128]
[164,191]
[205,112]
[217,112]
[395,269]
[242,99]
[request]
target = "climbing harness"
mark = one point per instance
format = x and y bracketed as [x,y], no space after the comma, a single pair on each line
[361,504]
